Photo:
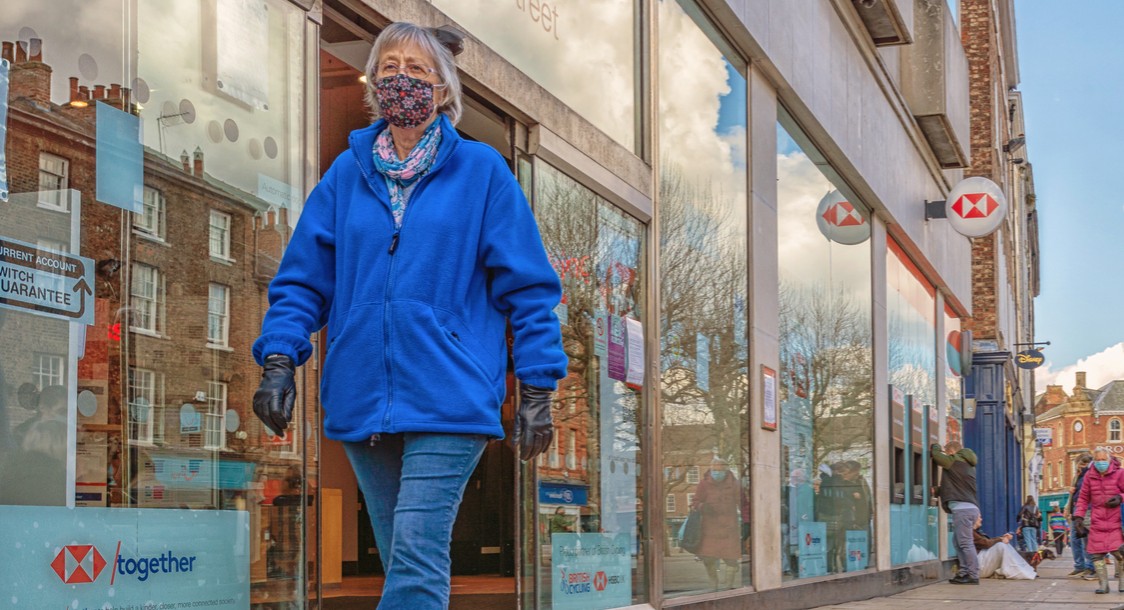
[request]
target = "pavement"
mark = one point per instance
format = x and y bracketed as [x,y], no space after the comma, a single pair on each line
[1051,590]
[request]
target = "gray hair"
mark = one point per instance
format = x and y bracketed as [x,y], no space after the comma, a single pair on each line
[401,33]
[1101,451]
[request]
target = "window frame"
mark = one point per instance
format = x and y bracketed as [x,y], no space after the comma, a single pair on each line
[152,225]
[223,318]
[155,303]
[693,475]
[1114,434]
[214,420]
[61,183]
[223,238]
[37,372]
[153,389]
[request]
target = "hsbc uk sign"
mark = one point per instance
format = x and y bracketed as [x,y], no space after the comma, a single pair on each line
[119,558]
[976,207]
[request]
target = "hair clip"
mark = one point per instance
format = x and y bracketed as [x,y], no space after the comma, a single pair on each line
[450,38]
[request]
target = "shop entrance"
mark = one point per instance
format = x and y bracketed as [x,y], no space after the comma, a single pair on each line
[483,549]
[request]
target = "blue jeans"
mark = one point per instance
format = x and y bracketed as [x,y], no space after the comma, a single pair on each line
[1030,538]
[963,524]
[1081,560]
[413,484]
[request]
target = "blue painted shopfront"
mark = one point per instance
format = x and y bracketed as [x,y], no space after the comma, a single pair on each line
[993,432]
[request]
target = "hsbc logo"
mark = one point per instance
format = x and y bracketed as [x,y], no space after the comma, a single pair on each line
[82,563]
[78,563]
[975,205]
[843,214]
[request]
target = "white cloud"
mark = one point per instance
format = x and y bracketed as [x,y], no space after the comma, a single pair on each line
[1100,369]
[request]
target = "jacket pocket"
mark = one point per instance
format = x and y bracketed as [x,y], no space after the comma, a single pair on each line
[441,373]
[353,386]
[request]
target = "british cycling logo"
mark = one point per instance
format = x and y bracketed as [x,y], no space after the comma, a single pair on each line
[83,563]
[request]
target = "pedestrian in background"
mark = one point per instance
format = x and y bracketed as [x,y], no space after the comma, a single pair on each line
[416,249]
[1030,520]
[1059,529]
[717,499]
[1099,501]
[958,496]
[1082,565]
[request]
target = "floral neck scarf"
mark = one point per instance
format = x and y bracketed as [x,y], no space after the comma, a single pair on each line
[402,175]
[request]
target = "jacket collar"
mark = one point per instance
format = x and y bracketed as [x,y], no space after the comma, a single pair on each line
[362,143]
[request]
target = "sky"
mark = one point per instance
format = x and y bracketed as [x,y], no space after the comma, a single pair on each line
[1071,65]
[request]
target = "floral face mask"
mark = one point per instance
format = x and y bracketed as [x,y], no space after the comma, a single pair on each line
[404,101]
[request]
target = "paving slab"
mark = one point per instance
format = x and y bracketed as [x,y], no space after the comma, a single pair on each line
[1052,589]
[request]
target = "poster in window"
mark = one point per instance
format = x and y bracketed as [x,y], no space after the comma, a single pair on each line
[768,398]
[242,33]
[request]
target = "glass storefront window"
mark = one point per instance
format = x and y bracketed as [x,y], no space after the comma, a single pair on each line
[953,391]
[586,519]
[155,157]
[582,51]
[912,352]
[826,371]
[704,377]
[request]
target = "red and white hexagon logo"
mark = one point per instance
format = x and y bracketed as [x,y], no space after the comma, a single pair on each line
[78,563]
[841,221]
[976,207]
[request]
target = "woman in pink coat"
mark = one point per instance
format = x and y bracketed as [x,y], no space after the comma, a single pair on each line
[1099,504]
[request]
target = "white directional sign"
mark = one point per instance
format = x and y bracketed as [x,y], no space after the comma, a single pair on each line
[45,282]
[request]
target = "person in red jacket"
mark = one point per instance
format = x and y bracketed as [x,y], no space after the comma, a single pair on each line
[717,499]
[1099,504]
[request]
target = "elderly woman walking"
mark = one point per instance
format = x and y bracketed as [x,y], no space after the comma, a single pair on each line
[1098,513]
[417,249]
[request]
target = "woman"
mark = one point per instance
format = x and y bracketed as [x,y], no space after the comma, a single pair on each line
[998,558]
[717,499]
[1030,519]
[1099,503]
[416,249]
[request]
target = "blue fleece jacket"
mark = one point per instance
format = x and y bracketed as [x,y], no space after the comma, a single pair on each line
[417,316]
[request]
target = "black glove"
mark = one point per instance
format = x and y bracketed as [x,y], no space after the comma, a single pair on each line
[1079,529]
[1113,502]
[534,427]
[273,402]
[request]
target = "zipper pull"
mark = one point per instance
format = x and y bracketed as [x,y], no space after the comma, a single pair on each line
[393,243]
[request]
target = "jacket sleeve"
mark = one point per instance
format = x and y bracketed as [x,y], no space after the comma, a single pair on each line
[300,295]
[1083,498]
[524,285]
[941,458]
[983,542]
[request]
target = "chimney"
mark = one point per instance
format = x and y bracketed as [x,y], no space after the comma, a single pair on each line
[198,157]
[8,52]
[114,91]
[35,50]
[283,217]
[99,92]
[73,88]
[186,160]
[84,93]
[1081,379]
[31,79]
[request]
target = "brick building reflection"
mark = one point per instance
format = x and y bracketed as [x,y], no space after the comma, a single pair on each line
[179,296]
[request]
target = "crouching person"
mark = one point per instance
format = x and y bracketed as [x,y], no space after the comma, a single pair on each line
[998,558]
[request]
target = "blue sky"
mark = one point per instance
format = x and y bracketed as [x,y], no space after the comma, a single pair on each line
[1071,61]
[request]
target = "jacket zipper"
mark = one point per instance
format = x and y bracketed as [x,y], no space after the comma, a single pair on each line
[390,274]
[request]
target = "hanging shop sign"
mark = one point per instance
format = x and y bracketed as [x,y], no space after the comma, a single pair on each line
[1029,359]
[976,207]
[841,221]
[1045,436]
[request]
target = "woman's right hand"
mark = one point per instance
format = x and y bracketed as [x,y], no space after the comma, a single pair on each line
[273,402]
